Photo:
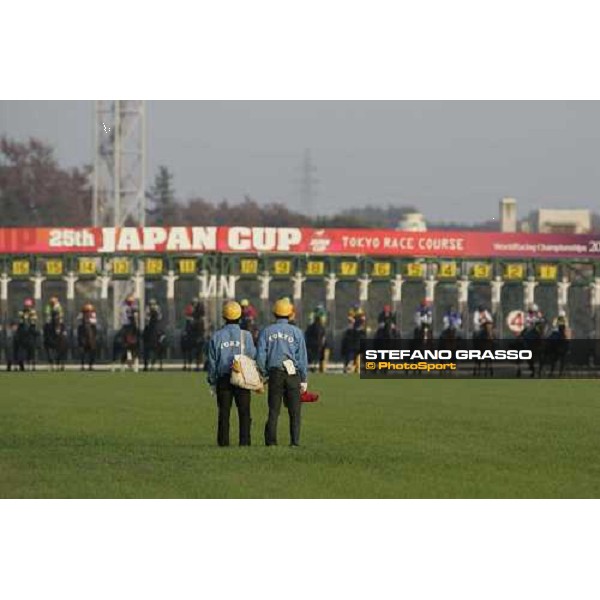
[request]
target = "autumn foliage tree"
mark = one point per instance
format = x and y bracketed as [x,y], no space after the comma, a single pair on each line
[36,191]
[245,213]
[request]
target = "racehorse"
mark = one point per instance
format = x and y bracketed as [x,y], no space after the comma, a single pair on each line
[155,343]
[484,340]
[351,347]
[422,340]
[252,326]
[555,350]
[387,330]
[25,344]
[532,339]
[87,339]
[449,339]
[316,344]
[126,346]
[56,343]
[192,343]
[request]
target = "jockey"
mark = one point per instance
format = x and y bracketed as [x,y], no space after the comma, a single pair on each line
[249,315]
[28,315]
[354,312]
[188,311]
[193,311]
[316,343]
[561,322]
[320,313]
[88,315]
[480,317]
[129,312]
[452,319]
[387,317]
[248,311]
[153,310]
[533,316]
[54,311]
[424,314]
[561,319]
[350,320]
[360,320]
[355,331]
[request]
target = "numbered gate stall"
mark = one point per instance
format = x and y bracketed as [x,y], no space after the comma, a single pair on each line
[333,268]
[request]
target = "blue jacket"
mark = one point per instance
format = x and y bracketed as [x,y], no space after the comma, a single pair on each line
[279,342]
[223,346]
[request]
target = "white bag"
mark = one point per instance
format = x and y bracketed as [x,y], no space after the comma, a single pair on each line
[244,372]
[288,365]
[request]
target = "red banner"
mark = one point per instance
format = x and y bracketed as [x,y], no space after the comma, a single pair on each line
[252,240]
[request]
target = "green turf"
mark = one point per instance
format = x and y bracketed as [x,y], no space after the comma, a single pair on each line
[122,435]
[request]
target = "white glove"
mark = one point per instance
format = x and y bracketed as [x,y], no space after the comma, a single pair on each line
[303,387]
[213,390]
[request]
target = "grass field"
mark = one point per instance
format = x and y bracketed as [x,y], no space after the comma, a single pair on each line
[122,435]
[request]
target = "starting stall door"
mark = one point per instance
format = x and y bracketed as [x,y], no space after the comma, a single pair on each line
[446,297]
[278,288]
[249,289]
[313,294]
[379,295]
[18,291]
[546,298]
[512,299]
[480,294]
[580,314]
[412,294]
[87,290]
[346,297]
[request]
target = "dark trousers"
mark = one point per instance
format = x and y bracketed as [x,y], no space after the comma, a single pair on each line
[287,388]
[226,393]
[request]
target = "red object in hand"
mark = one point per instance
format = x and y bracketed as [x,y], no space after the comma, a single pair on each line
[309,397]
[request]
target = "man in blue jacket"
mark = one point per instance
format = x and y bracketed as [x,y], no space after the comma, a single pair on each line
[223,346]
[281,356]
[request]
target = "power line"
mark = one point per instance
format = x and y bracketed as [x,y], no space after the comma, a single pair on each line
[308,184]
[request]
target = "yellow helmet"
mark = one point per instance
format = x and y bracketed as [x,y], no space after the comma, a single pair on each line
[244,303]
[232,311]
[283,308]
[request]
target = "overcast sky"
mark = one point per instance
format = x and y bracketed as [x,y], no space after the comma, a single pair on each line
[452,160]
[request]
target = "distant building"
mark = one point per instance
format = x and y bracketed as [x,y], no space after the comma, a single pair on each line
[544,220]
[508,215]
[412,222]
[562,220]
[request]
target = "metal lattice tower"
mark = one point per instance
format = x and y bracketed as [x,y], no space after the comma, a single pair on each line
[120,163]
[120,175]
